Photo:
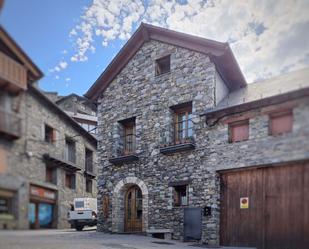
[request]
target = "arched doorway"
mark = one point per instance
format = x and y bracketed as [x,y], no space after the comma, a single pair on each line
[120,192]
[133,209]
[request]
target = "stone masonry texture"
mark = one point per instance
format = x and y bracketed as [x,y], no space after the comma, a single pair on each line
[26,164]
[137,92]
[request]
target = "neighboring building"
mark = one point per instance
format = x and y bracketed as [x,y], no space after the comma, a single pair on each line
[82,110]
[46,158]
[190,149]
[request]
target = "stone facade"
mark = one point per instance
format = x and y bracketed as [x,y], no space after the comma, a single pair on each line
[137,92]
[26,164]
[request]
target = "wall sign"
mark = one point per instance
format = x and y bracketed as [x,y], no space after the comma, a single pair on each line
[42,192]
[244,202]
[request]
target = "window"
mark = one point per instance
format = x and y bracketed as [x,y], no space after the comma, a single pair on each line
[239,131]
[88,185]
[280,123]
[51,175]
[6,202]
[129,136]
[180,195]
[70,180]
[88,160]
[70,150]
[49,135]
[183,126]
[163,65]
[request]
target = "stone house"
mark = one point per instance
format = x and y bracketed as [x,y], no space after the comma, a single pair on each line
[46,158]
[192,151]
[81,109]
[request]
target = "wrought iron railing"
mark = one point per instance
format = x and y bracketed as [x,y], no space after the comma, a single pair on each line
[125,145]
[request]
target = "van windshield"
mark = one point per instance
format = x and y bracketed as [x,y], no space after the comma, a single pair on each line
[79,204]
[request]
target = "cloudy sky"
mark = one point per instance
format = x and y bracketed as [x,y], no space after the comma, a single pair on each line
[72,41]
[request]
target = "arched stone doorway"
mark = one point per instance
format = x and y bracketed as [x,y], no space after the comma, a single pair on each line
[127,186]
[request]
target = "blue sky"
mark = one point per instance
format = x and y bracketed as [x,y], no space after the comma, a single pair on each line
[72,41]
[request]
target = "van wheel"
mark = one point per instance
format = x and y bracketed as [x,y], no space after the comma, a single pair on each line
[79,227]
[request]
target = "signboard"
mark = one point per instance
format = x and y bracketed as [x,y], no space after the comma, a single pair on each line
[244,202]
[42,192]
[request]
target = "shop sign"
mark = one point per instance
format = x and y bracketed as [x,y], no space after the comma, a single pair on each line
[244,202]
[42,192]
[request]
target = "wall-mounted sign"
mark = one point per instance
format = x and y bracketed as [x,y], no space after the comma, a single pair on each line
[244,202]
[42,192]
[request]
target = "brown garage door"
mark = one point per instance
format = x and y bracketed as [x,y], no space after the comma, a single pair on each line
[276,215]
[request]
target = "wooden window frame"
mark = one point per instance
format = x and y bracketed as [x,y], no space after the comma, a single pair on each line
[187,110]
[87,180]
[159,62]
[232,125]
[49,138]
[276,115]
[72,180]
[177,195]
[53,173]
[128,139]
[87,158]
[70,157]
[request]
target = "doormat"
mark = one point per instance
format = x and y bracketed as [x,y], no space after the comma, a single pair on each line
[162,243]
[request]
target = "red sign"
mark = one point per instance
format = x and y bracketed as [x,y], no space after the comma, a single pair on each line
[42,192]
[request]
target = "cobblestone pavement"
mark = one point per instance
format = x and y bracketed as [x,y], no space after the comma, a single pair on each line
[89,239]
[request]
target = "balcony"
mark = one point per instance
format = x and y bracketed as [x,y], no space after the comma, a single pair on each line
[10,125]
[57,160]
[124,150]
[13,76]
[175,140]
[89,167]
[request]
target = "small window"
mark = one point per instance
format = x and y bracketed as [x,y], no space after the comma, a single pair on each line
[70,150]
[49,135]
[163,65]
[239,131]
[183,126]
[128,136]
[88,185]
[70,180]
[180,195]
[88,160]
[6,205]
[280,123]
[51,175]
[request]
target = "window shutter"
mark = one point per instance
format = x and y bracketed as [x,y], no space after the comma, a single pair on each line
[280,124]
[239,131]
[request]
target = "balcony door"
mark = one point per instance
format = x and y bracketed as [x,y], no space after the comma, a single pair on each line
[133,209]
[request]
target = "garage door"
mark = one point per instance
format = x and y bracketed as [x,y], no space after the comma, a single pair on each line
[267,208]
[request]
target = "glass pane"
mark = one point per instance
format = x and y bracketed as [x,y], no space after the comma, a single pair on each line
[31,213]
[45,214]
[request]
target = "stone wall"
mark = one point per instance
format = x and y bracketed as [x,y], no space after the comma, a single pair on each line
[27,166]
[137,92]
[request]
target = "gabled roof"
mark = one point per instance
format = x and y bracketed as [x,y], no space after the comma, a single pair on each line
[34,72]
[220,53]
[79,98]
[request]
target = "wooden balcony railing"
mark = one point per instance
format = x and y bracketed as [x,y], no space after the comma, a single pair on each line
[10,125]
[13,76]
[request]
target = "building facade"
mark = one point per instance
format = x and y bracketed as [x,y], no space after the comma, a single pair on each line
[182,122]
[46,158]
[82,110]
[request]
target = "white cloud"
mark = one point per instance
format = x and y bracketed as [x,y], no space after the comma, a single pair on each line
[57,77]
[64,51]
[67,79]
[63,64]
[267,36]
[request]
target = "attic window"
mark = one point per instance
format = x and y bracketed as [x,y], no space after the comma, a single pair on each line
[239,131]
[163,65]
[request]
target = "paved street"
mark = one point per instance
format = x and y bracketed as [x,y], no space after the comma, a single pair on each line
[90,239]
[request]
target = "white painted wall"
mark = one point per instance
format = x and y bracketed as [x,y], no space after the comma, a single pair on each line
[221,89]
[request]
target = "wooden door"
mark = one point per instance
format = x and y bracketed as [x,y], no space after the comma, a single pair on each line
[278,211]
[133,210]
